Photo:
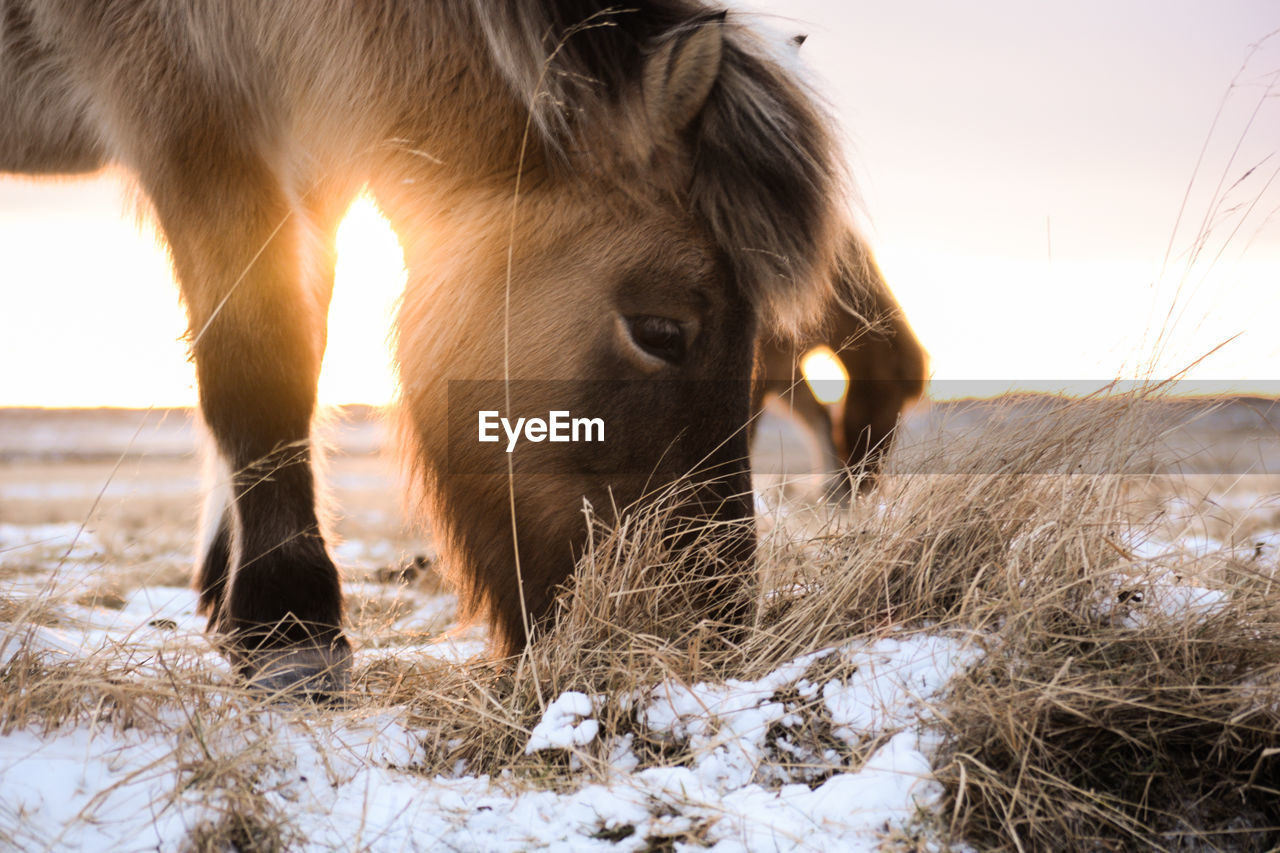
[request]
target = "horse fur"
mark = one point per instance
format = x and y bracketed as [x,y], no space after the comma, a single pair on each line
[887,366]
[767,177]
[554,168]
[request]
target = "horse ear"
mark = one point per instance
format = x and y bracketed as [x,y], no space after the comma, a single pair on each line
[679,75]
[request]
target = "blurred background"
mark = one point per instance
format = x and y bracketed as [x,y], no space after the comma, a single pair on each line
[1056,192]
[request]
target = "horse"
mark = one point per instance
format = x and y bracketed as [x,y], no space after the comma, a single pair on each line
[886,364]
[602,209]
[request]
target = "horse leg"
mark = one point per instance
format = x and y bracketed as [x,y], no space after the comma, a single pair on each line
[213,565]
[216,555]
[887,369]
[256,279]
[870,410]
[778,363]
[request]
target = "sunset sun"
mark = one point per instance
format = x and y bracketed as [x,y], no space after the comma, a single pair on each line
[825,374]
[369,278]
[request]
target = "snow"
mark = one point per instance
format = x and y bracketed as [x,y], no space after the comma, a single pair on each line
[566,723]
[357,553]
[46,490]
[1160,594]
[346,780]
[40,539]
[832,750]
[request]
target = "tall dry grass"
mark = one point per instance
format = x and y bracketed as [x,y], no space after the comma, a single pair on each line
[1102,714]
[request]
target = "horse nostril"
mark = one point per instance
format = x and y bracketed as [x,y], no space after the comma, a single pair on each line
[660,337]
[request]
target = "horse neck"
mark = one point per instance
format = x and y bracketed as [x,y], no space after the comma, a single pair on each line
[417,99]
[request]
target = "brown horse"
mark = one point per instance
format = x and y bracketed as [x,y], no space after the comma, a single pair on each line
[601,208]
[886,364]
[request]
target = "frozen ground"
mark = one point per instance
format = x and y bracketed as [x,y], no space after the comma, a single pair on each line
[93,560]
[346,779]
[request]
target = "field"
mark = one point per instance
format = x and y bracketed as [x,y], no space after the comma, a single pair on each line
[1052,626]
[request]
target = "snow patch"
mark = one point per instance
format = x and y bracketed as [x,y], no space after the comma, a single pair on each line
[41,539]
[566,723]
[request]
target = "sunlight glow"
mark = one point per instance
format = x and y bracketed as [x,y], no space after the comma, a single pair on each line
[369,279]
[1044,230]
[825,374]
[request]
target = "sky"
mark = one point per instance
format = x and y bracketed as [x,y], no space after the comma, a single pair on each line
[1056,193]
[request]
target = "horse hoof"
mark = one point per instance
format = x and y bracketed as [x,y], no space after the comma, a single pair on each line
[308,673]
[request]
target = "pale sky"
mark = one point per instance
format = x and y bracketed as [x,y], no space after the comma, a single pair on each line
[1021,167]
[972,125]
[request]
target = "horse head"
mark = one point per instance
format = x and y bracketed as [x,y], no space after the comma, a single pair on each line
[659,218]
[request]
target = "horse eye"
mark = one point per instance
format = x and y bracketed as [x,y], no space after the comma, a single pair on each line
[658,336]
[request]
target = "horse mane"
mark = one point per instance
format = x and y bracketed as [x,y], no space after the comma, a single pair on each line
[766,177]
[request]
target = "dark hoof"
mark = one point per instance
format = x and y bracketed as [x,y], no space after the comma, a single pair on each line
[307,673]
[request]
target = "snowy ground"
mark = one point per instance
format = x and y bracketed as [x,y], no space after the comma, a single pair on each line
[102,548]
[347,781]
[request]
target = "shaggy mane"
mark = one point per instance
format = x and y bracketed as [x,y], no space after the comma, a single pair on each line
[767,178]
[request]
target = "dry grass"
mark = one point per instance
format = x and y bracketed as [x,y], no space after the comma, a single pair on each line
[1098,716]
[1083,726]
[1081,736]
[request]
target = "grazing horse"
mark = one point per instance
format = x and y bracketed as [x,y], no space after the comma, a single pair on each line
[886,364]
[601,208]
